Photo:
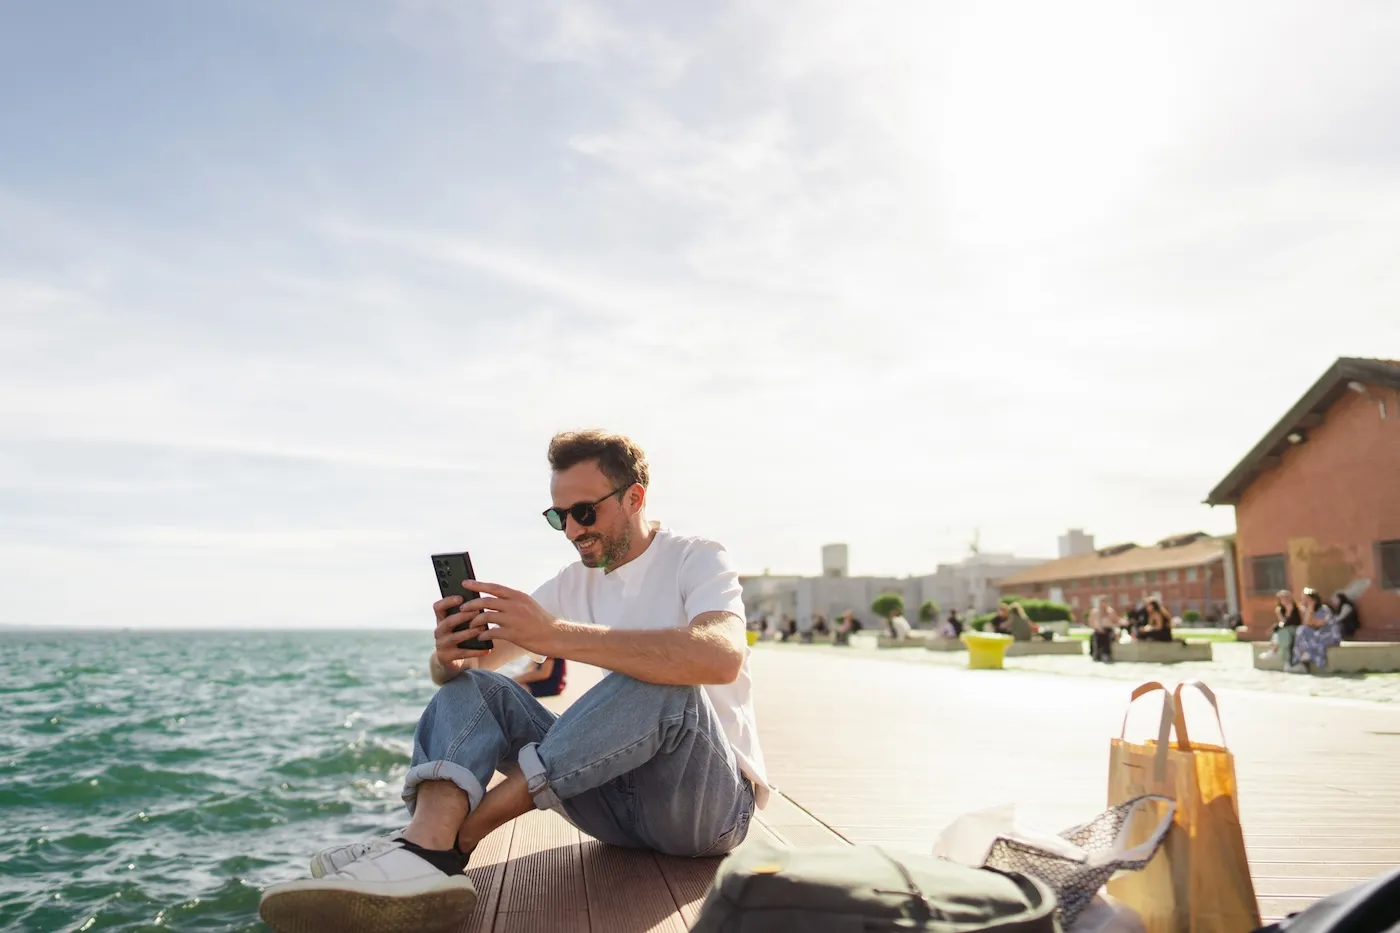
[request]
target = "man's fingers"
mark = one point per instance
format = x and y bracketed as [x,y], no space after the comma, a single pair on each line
[484,604]
[445,605]
[448,622]
[491,589]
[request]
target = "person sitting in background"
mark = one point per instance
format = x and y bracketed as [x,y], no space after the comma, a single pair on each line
[1318,632]
[849,624]
[1159,623]
[1104,621]
[1348,619]
[1289,618]
[953,627]
[789,627]
[899,626]
[545,679]
[1020,624]
[1001,623]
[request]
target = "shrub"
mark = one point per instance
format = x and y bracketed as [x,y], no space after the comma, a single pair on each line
[981,622]
[928,611]
[1042,610]
[1190,615]
[888,604]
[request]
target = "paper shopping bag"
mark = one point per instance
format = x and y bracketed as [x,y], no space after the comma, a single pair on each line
[1199,881]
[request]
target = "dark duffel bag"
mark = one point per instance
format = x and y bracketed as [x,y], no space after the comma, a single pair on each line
[1373,907]
[864,889]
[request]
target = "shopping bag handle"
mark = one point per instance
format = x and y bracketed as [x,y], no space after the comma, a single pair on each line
[1182,737]
[1144,851]
[1171,716]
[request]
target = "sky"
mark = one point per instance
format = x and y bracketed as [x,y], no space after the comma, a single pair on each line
[294,295]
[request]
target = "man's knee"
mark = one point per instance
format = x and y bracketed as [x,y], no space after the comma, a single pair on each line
[620,688]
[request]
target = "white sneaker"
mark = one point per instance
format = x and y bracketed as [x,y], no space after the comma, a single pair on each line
[387,889]
[329,861]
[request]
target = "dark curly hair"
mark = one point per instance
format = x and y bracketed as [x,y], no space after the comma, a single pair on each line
[618,456]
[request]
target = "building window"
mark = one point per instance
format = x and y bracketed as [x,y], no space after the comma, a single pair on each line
[1190,574]
[1151,576]
[1388,560]
[1173,576]
[1270,573]
[1139,578]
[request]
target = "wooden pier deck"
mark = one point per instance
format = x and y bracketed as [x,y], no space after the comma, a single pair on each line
[888,752]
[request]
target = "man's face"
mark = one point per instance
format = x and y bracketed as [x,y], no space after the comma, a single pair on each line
[1003,610]
[606,541]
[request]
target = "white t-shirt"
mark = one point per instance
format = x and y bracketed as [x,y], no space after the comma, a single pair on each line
[674,580]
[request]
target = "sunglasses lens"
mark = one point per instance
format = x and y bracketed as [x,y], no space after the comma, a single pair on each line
[585,515]
[555,519]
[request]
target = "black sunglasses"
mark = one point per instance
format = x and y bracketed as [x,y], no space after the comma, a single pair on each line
[585,513]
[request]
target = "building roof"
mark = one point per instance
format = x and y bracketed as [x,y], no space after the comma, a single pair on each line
[1108,561]
[1307,413]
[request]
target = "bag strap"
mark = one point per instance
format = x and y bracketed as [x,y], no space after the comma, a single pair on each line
[1182,738]
[1171,716]
[1145,851]
[913,891]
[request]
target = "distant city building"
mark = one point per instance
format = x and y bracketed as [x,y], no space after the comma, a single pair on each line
[1317,501]
[968,586]
[1187,571]
[1075,542]
[973,584]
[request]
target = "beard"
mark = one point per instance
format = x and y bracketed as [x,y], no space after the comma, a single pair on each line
[612,548]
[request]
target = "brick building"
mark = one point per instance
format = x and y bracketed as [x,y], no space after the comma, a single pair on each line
[1187,571]
[1317,501]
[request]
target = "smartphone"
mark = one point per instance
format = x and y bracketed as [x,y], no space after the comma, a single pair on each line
[452,570]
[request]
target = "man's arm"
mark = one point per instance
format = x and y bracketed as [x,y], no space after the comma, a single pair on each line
[710,650]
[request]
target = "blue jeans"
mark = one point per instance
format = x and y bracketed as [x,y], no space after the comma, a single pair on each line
[630,763]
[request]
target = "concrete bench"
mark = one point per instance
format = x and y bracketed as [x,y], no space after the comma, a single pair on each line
[917,639]
[1021,649]
[1163,652]
[944,644]
[1350,657]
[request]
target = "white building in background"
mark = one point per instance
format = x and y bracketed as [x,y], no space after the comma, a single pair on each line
[969,586]
[1075,542]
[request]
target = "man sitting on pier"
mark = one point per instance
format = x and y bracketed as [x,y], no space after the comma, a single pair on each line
[662,754]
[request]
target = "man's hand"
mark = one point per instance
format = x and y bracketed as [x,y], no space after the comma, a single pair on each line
[447,657]
[517,618]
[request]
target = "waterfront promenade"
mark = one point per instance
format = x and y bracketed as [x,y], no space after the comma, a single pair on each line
[890,751]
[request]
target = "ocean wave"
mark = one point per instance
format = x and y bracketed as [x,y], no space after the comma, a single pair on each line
[359,756]
[172,782]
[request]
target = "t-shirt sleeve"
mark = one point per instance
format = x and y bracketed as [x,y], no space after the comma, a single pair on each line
[709,582]
[547,595]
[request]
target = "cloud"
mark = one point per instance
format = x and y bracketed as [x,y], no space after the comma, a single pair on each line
[881,273]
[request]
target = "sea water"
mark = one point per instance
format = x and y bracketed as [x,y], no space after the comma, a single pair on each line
[158,781]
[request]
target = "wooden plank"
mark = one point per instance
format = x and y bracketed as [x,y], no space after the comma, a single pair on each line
[690,880]
[1353,872]
[569,921]
[487,871]
[626,890]
[795,826]
[1361,854]
[544,875]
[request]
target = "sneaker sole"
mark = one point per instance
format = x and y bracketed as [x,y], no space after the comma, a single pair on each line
[434,906]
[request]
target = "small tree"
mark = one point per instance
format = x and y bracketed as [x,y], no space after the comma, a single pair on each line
[1190,615]
[928,612]
[887,605]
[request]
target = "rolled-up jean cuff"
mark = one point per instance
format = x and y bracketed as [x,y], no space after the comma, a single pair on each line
[535,779]
[441,771]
